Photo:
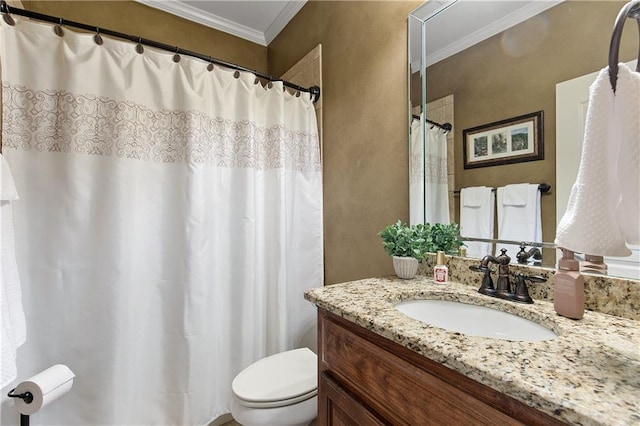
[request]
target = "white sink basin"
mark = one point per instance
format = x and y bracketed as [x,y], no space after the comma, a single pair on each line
[474,320]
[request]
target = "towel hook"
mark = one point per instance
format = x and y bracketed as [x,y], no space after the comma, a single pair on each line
[630,10]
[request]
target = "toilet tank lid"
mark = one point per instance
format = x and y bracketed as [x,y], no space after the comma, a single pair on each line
[278,377]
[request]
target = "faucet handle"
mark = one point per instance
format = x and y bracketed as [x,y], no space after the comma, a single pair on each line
[479,268]
[522,255]
[535,278]
[522,292]
[487,282]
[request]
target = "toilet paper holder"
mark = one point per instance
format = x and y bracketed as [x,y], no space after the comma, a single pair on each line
[28,398]
[40,390]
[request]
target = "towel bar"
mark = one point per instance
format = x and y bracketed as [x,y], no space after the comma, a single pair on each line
[543,187]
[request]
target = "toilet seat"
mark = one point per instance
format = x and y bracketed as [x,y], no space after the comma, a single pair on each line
[279,380]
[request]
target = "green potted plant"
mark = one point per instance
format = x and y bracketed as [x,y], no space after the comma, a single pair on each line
[406,244]
[444,237]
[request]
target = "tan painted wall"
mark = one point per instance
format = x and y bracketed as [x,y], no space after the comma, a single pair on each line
[137,19]
[490,85]
[365,124]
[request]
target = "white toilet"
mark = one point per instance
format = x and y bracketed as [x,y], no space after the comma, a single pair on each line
[280,390]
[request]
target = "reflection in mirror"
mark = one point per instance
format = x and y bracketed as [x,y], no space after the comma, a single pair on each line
[474,63]
[429,140]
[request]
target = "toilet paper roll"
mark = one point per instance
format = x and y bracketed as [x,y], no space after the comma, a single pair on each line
[46,386]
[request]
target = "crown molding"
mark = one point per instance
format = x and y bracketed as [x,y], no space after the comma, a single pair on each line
[292,8]
[208,19]
[532,9]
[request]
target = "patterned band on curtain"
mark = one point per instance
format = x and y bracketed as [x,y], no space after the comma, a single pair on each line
[61,121]
[169,221]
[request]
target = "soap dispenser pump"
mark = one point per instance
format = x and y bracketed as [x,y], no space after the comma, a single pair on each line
[568,287]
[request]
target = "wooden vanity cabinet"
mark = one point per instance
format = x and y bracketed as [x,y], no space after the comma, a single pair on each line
[365,379]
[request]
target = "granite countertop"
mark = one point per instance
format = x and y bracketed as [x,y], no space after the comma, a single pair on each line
[589,374]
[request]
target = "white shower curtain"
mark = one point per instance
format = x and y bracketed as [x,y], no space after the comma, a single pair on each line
[169,221]
[436,178]
[428,180]
[416,173]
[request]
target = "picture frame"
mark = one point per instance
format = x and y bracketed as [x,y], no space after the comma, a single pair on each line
[514,140]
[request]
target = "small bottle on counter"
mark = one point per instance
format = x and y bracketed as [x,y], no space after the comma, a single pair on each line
[440,271]
[568,287]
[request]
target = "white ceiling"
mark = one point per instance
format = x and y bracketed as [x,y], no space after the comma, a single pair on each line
[453,26]
[466,21]
[257,21]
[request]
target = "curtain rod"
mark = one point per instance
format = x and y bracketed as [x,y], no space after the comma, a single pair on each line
[6,10]
[446,126]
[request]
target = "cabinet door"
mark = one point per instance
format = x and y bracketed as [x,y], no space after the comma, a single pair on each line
[336,407]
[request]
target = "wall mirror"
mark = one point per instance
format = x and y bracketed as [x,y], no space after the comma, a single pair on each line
[472,63]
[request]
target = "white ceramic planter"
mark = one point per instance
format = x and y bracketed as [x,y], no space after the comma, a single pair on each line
[405,267]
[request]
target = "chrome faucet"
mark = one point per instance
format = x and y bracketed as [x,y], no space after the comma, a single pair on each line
[503,290]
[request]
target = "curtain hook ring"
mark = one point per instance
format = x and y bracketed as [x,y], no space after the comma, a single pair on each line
[176,57]
[139,47]
[97,38]
[58,28]
[210,66]
[8,19]
[6,10]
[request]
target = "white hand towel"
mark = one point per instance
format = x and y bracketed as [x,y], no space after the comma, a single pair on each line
[474,196]
[519,216]
[476,218]
[515,195]
[609,174]
[12,321]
